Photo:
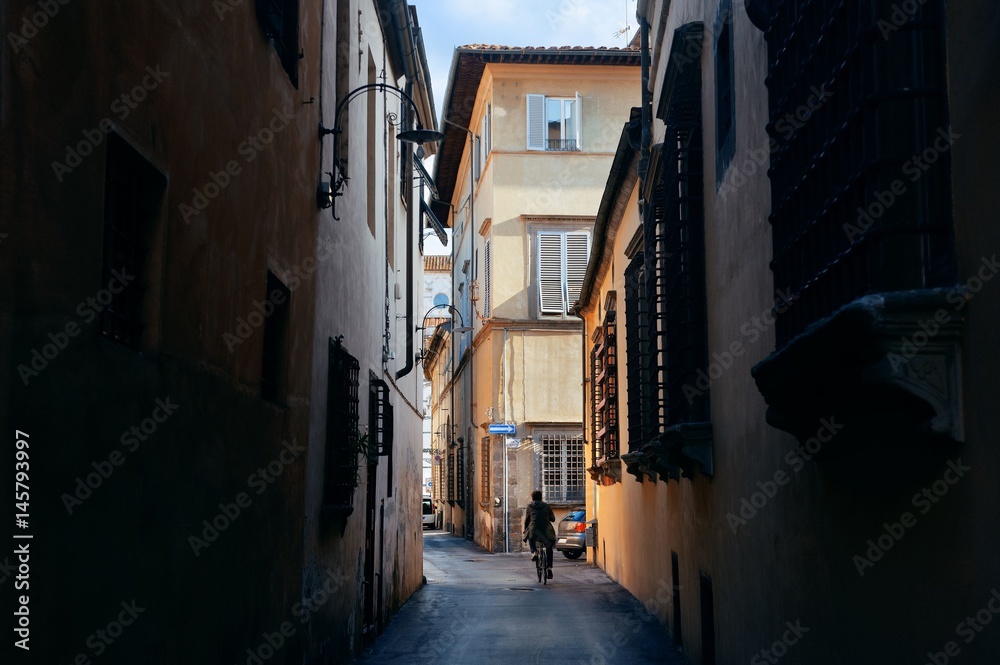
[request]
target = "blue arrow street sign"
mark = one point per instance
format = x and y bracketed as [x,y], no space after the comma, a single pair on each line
[502,428]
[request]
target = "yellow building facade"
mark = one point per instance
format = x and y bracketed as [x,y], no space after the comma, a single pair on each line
[529,138]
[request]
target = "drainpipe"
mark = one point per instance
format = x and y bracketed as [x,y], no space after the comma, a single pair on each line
[503,388]
[647,95]
[583,385]
[404,35]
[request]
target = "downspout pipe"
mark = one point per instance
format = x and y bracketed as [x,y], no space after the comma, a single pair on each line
[647,94]
[403,35]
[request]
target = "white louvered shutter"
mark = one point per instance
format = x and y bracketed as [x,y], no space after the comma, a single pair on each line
[487,276]
[550,273]
[577,256]
[536,121]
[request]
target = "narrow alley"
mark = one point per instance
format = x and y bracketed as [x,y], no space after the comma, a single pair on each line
[479,607]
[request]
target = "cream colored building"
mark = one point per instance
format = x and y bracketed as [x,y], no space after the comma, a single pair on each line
[530,135]
[789,318]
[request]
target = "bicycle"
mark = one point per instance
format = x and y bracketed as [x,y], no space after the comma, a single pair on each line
[543,556]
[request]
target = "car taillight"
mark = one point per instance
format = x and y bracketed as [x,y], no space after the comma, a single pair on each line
[580,527]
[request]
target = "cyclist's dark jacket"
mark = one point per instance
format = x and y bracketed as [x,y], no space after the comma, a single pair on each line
[538,518]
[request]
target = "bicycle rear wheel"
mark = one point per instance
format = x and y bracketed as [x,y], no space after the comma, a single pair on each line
[540,563]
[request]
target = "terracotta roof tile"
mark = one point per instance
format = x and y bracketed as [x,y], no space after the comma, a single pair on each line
[437,263]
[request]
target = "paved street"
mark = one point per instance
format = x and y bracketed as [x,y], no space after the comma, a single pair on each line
[479,607]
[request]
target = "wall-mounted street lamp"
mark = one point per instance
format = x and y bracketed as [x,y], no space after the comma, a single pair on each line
[328,192]
[423,326]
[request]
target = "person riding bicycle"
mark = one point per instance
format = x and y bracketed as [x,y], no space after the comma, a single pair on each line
[538,519]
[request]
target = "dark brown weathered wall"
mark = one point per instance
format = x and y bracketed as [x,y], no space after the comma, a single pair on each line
[218,82]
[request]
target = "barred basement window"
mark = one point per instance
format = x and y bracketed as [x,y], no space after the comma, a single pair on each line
[341,426]
[870,102]
[484,487]
[562,468]
[604,390]
[133,192]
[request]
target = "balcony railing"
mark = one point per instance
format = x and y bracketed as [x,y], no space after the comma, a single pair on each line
[561,145]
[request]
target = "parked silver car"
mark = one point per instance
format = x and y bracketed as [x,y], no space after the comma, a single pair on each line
[570,539]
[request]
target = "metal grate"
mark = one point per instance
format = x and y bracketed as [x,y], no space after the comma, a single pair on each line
[451,476]
[485,452]
[460,475]
[604,387]
[562,468]
[636,351]
[863,102]
[675,268]
[561,145]
[341,425]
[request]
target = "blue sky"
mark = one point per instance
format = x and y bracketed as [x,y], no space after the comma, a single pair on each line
[450,23]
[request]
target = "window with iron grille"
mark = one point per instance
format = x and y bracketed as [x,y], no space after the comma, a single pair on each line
[725,85]
[133,192]
[460,475]
[380,424]
[641,423]
[870,103]
[675,264]
[562,468]
[280,21]
[604,391]
[485,490]
[451,477]
[341,425]
[274,356]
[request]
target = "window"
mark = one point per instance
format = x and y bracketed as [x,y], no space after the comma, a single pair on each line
[485,489]
[707,621]
[675,578]
[380,424]
[562,264]
[555,123]
[562,468]
[280,20]
[487,277]
[451,477]
[477,158]
[274,357]
[486,132]
[440,300]
[642,426]
[604,390]
[675,262]
[133,192]
[833,239]
[341,465]
[725,100]
[460,475]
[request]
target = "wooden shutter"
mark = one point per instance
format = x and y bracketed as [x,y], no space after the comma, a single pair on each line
[487,273]
[536,121]
[550,273]
[577,256]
